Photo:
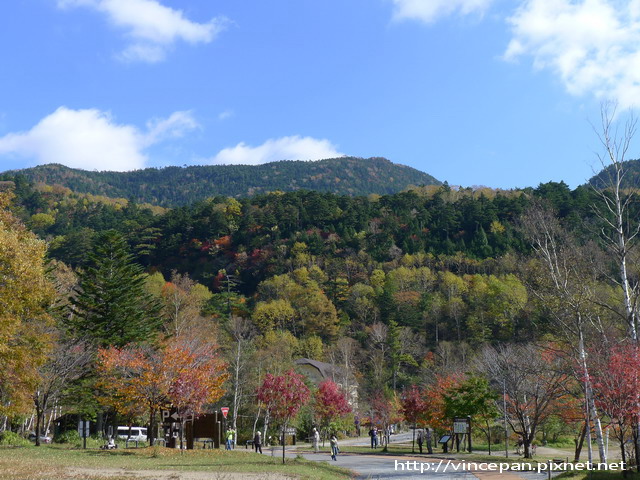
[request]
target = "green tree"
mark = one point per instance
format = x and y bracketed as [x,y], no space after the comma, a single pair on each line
[475,398]
[111,306]
[396,354]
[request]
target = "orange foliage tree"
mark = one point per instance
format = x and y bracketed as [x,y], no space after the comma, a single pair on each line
[137,378]
[434,396]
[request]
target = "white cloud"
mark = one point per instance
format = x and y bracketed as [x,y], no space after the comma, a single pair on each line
[429,11]
[226,114]
[90,139]
[593,45]
[153,27]
[175,126]
[284,148]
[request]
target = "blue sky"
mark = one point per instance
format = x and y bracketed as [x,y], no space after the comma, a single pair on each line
[476,92]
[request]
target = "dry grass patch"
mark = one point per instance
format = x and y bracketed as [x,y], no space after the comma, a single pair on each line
[57,463]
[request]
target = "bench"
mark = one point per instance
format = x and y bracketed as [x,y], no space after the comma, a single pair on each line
[206,442]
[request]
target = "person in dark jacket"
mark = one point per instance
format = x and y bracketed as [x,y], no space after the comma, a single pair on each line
[257,442]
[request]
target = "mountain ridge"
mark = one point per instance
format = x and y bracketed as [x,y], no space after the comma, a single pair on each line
[175,186]
[605,177]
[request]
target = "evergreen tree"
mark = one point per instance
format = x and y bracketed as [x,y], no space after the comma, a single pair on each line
[111,306]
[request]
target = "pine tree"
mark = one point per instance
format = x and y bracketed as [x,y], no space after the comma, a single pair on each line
[111,307]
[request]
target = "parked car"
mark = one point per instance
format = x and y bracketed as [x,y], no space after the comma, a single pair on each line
[43,438]
[138,434]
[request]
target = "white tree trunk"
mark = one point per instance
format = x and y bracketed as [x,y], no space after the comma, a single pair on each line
[595,418]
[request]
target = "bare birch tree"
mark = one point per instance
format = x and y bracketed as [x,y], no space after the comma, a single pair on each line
[618,211]
[617,207]
[66,362]
[241,331]
[565,287]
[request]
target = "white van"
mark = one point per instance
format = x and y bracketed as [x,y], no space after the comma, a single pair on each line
[137,434]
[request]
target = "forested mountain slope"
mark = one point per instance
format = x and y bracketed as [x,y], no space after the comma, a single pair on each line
[630,179]
[176,186]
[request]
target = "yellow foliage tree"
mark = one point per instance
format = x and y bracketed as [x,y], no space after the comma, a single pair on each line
[25,294]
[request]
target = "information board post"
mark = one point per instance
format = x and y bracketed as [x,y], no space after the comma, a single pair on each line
[462,426]
[83,430]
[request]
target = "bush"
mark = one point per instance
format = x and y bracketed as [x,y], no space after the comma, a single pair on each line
[13,439]
[562,442]
[70,436]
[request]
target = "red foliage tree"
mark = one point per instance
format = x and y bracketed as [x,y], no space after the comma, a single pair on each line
[616,383]
[386,410]
[413,408]
[330,403]
[283,397]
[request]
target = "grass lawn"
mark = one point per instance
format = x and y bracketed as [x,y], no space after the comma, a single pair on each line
[598,476]
[55,462]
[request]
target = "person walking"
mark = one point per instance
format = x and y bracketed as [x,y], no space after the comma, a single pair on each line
[257,442]
[420,440]
[334,447]
[316,441]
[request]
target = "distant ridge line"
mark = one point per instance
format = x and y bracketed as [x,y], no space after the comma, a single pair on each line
[176,186]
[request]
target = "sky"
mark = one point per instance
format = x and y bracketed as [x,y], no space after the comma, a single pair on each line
[500,93]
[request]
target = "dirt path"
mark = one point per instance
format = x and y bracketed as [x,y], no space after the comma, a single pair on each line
[119,473]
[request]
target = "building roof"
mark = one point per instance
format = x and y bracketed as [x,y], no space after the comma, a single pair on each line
[326,370]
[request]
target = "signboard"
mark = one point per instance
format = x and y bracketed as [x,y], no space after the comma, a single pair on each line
[83,428]
[225,411]
[460,425]
[444,439]
[172,416]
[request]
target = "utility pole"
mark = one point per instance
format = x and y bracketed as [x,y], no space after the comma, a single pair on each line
[504,406]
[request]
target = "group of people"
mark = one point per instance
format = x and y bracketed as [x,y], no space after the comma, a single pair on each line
[379,437]
[424,437]
[315,440]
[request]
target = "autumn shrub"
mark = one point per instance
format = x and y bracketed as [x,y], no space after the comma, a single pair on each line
[8,438]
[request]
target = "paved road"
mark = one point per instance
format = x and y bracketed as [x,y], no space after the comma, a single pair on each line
[387,467]
[379,467]
[391,468]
